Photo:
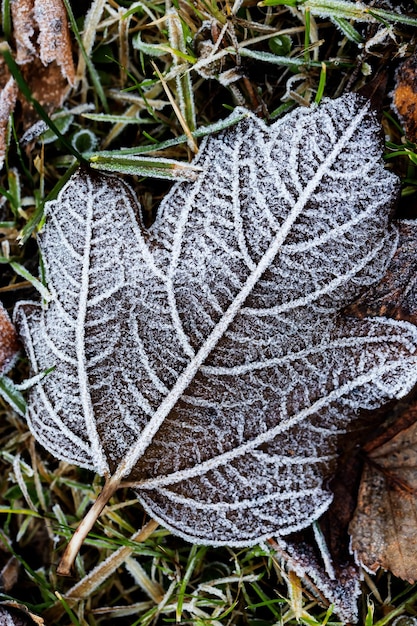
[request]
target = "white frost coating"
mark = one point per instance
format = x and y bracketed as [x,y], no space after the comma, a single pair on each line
[205,359]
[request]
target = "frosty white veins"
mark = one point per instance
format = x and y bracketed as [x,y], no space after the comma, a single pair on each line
[205,359]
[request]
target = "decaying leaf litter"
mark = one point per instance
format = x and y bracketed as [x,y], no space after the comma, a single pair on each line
[299,81]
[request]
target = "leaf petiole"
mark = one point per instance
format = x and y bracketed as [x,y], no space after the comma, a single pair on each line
[110,487]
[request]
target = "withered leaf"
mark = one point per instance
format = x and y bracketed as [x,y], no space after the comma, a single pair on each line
[14,614]
[44,53]
[40,29]
[405,96]
[383,528]
[205,360]
[8,98]
[9,345]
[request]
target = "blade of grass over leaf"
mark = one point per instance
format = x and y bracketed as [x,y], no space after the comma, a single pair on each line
[141,166]
[37,216]
[24,273]
[12,395]
[157,146]
[6,22]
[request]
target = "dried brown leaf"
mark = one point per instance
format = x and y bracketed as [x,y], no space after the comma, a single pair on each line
[405,96]
[9,345]
[8,97]
[44,52]
[54,39]
[385,522]
[23,29]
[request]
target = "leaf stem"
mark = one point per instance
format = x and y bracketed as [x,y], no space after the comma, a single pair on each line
[111,485]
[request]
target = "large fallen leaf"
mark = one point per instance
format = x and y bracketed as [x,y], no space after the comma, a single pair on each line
[205,360]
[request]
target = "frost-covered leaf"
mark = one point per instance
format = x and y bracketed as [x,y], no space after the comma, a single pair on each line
[341,591]
[396,294]
[205,359]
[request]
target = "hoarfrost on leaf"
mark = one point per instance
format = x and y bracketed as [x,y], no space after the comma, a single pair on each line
[205,359]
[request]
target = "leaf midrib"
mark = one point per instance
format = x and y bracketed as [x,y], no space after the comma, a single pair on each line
[97,453]
[184,380]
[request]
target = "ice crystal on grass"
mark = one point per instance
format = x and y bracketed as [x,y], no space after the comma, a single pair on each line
[205,359]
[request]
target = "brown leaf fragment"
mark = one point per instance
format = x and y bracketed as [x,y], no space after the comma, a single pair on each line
[405,96]
[395,295]
[384,526]
[15,614]
[40,28]
[47,86]
[43,50]
[23,29]
[9,574]
[54,38]
[9,345]
[8,97]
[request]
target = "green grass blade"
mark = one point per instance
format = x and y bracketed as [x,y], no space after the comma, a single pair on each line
[12,395]
[203,131]
[24,273]
[37,217]
[141,166]
[347,29]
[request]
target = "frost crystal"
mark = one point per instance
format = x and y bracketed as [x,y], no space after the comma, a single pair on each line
[206,359]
